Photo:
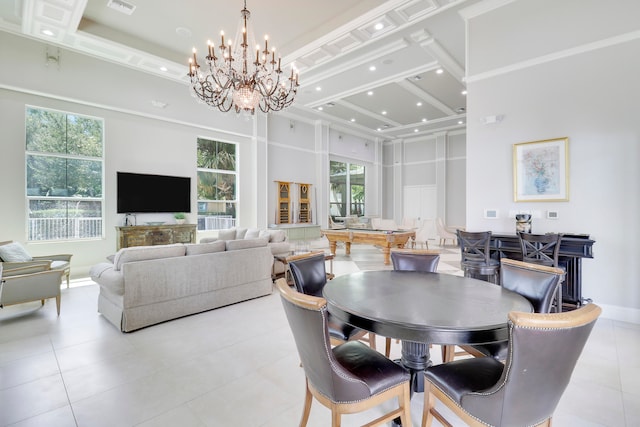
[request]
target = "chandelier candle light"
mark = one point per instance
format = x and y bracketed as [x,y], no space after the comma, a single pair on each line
[235,80]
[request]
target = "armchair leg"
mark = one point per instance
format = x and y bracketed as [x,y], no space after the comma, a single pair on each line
[41,302]
[58,304]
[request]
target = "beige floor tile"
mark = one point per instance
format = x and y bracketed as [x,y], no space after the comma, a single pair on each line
[236,365]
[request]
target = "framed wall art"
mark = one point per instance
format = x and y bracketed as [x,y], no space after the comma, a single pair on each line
[541,171]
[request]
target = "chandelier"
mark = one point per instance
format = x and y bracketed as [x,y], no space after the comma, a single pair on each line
[238,78]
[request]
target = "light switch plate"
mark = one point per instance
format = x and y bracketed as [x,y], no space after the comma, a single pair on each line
[491,214]
[552,214]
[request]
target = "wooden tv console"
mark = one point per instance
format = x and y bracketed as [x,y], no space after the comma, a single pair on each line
[149,235]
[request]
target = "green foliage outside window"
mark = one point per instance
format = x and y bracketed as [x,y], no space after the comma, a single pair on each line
[64,161]
[217,180]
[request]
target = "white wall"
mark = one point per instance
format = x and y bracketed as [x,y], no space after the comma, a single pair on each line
[142,138]
[582,83]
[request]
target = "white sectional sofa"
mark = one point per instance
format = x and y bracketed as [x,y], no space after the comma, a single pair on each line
[146,285]
[277,242]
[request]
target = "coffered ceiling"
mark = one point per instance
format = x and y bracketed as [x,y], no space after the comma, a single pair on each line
[388,69]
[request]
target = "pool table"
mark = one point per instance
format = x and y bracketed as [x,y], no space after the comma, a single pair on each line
[382,238]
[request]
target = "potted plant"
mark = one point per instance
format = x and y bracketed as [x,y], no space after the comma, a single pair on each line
[180,217]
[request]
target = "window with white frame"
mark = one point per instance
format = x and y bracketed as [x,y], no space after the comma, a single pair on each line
[347,187]
[217,178]
[64,175]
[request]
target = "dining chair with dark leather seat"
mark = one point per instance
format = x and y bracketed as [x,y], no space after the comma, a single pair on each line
[415,260]
[526,389]
[543,249]
[348,378]
[475,257]
[309,277]
[537,283]
[412,260]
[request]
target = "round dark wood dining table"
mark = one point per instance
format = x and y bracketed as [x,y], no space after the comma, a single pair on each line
[421,309]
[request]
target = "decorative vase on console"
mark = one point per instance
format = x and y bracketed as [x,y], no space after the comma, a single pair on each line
[523,223]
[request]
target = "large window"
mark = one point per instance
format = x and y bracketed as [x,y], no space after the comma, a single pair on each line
[64,162]
[347,189]
[217,179]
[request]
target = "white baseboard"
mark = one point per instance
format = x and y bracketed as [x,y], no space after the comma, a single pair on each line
[622,314]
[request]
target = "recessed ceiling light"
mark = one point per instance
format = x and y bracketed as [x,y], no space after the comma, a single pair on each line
[424,119]
[379,129]
[353,120]
[48,33]
[439,71]
[460,122]
[158,104]
[318,88]
[370,93]
[384,113]
[320,108]
[163,68]
[417,78]
[415,130]
[464,92]
[419,104]
[372,68]
[379,26]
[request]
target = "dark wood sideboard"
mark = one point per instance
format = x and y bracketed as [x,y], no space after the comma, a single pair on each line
[573,248]
[149,235]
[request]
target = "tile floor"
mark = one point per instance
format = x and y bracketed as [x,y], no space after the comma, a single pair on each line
[234,366]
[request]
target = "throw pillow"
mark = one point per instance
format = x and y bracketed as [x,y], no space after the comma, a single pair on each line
[14,252]
[252,233]
[240,232]
[227,234]
[264,234]
[278,236]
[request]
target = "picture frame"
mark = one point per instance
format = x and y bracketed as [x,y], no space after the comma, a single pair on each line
[541,171]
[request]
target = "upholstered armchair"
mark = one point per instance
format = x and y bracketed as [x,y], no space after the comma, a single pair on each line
[14,255]
[30,283]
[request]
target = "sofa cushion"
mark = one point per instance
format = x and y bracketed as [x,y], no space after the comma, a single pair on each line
[274,236]
[240,233]
[252,233]
[233,245]
[205,248]
[227,234]
[143,253]
[14,252]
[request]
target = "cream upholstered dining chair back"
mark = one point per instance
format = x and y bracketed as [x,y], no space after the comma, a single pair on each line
[526,389]
[445,233]
[348,378]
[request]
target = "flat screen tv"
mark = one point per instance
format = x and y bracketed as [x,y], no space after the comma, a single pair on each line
[140,193]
